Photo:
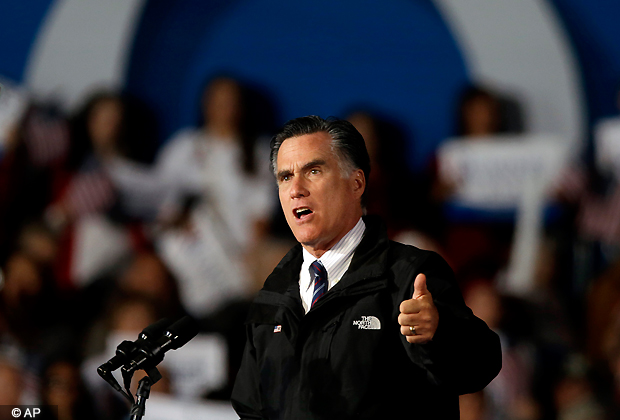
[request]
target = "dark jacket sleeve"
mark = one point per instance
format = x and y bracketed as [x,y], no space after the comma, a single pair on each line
[246,395]
[465,354]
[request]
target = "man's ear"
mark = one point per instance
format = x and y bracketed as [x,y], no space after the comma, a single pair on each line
[359,182]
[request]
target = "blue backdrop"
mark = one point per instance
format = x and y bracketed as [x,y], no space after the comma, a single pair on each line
[321,57]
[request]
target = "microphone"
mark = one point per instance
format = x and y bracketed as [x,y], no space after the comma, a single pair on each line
[150,353]
[146,353]
[125,350]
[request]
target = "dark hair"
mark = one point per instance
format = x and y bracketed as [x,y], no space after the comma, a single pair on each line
[81,145]
[136,132]
[347,142]
[255,112]
[467,97]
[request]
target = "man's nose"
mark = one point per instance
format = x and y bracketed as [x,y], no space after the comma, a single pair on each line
[298,187]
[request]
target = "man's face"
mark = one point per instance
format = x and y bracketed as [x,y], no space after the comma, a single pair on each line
[320,205]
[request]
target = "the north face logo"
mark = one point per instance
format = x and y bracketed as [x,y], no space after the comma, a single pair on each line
[368,323]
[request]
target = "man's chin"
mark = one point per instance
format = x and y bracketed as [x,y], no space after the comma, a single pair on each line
[307,239]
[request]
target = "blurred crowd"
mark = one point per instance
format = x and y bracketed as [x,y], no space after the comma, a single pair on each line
[103,232]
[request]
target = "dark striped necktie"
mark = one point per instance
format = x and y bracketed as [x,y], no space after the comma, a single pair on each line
[318,274]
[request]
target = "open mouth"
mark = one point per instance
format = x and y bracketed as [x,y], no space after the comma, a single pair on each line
[301,212]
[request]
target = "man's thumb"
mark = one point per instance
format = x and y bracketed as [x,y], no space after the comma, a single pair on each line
[419,286]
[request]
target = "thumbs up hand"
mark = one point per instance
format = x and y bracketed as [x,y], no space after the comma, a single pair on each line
[418,317]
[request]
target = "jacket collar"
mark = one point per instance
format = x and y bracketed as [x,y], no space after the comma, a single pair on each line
[369,262]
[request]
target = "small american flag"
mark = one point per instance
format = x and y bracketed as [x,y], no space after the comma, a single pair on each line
[46,137]
[277,328]
[89,192]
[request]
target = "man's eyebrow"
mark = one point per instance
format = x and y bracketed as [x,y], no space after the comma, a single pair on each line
[283,173]
[316,162]
[311,164]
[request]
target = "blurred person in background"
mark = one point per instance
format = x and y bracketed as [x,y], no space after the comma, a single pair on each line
[199,187]
[219,163]
[35,321]
[473,406]
[481,114]
[589,191]
[478,113]
[538,336]
[575,396]
[62,386]
[38,242]
[147,276]
[216,213]
[602,302]
[11,383]
[32,316]
[607,364]
[393,191]
[143,276]
[123,318]
[106,128]
[92,213]
[123,315]
[32,167]
[509,395]
[478,116]
[389,175]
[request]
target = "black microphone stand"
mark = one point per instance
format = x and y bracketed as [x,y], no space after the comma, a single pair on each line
[144,390]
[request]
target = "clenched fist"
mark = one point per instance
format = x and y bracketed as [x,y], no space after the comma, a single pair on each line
[420,313]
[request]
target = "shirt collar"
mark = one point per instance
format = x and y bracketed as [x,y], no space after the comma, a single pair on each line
[336,260]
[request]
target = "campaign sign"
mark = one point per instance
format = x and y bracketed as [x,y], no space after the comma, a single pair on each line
[494,172]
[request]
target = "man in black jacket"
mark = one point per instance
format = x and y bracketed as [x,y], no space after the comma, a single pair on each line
[351,325]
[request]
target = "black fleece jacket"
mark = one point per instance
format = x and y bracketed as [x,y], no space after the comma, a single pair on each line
[346,358]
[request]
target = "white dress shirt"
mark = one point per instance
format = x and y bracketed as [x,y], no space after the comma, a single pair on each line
[336,262]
